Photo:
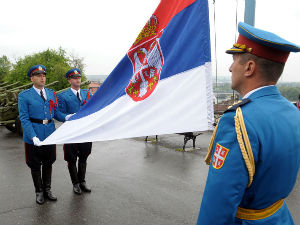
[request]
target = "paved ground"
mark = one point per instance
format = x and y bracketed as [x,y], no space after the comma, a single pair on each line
[132,182]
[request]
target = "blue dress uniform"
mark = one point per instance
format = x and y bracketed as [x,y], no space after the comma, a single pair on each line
[272,125]
[31,105]
[69,103]
[36,116]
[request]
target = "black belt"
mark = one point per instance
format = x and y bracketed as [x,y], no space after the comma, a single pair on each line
[40,121]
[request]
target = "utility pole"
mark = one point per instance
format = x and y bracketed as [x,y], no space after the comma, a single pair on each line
[249,16]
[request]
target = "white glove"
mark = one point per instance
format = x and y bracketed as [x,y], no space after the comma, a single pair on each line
[68,116]
[36,141]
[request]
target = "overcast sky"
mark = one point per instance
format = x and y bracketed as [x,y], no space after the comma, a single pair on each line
[102,31]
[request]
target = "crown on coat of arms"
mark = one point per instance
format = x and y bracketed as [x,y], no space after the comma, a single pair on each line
[150,29]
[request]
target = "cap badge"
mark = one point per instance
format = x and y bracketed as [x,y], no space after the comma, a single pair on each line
[242,47]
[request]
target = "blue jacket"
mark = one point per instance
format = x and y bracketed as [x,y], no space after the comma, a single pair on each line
[31,105]
[68,102]
[273,126]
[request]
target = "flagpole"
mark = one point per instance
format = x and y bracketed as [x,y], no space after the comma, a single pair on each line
[249,16]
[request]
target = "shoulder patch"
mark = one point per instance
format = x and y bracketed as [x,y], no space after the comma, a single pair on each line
[219,156]
[237,104]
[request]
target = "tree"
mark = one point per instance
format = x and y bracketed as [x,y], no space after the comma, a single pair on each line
[57,63]
[77,62]
[291,93]
[5,66]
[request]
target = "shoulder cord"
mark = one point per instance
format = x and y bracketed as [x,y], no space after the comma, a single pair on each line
[243,139]
[55,103]
[242,136]
[88,94]
[211,143]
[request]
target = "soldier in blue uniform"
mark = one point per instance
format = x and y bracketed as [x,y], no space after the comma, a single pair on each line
[70,102]
[254,153]
[37,108]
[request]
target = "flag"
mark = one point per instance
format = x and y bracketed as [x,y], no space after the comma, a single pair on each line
[163,84]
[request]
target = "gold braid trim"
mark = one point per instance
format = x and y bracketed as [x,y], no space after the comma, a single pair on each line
[242,47]
[211,143]
[242,137]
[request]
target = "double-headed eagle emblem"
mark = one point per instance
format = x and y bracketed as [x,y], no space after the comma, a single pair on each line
[147,61]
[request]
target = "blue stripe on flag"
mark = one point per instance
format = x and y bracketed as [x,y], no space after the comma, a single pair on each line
[192,22]
[112,88]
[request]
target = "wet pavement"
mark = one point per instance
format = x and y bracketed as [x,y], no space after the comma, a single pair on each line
[132,182]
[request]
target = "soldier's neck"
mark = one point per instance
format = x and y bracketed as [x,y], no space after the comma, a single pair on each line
[38,87]
[75,88]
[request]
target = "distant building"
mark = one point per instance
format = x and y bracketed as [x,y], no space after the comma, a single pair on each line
[96,81]
[93,86]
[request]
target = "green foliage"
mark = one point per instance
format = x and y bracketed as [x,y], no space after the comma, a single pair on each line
[57,63]
[289,92]
[5,66]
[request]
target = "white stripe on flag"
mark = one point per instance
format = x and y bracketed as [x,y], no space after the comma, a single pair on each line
[180,103]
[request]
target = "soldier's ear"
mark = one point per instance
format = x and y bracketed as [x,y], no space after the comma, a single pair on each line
[250,68]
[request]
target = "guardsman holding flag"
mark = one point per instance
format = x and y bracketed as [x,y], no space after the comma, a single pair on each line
[254,153]
[70,102]
[37,108]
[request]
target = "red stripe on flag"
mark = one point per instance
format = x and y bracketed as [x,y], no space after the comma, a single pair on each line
[167,9]
[163,14]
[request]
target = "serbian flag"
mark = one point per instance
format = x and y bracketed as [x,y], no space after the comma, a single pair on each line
[163,85]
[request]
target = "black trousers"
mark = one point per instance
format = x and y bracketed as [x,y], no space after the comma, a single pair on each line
[36,156]
[80,150]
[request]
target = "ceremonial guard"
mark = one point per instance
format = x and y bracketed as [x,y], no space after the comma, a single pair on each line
[70,102]
[37,108]
[254,153]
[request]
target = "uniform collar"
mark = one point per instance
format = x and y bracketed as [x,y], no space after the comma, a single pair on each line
[39,91]
[75,92]
[264,91]
[251,92]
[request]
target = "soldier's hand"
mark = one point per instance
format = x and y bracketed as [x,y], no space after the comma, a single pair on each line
[36,141]
[68,116]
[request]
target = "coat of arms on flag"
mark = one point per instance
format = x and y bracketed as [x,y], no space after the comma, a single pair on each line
[219,156]
[147,60]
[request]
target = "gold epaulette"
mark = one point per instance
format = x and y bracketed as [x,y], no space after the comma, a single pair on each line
[237,104]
